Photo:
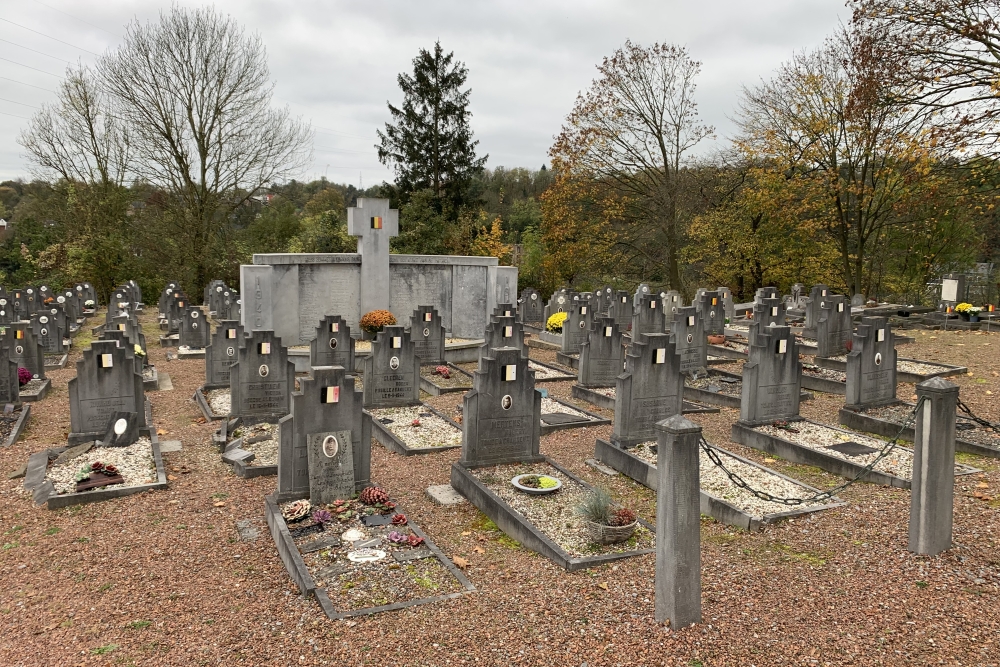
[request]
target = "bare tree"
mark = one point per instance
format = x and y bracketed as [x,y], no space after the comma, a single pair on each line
[633,130]
[195,91]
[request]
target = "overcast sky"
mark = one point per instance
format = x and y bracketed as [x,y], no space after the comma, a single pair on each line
[335,63]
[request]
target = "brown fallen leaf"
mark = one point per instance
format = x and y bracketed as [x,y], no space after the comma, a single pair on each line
[603,585]
[479,550]
[982,485]
[460,562]
[160,431]
[770,460]
[466,533]
[171,478]
[219,504]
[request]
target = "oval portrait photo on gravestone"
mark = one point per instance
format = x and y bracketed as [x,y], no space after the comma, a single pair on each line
[333,343]
[506,402]
[263,370]
[690,338]
[394,363]
[19,350]
[878,358]
[330,446]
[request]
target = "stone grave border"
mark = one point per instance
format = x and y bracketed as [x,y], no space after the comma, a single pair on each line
[149,430]
[171,340]
[565,377]
[901,377]
[518,527]
[551,338]
[796,453]
[427,385]
[856,419]
[608,403]
[241,464]
[595,419]
[723,400]
[226,426]
[823,385]
[57,365]
[727,353]
[299,573]
[570,360]
[391,441]
[19,425]
[202,402]
[38,395]
[644,473]
[191,353]
[153,383]
[43,492]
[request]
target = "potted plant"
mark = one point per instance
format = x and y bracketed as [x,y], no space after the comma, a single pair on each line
[606,523]
[537,485]
[555,322]
[715,339]
[968,311]
[373,321]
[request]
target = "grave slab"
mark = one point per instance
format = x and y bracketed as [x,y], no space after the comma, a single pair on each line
[444,494]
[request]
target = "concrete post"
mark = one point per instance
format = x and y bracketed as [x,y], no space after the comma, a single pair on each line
[678,523]
[932,490]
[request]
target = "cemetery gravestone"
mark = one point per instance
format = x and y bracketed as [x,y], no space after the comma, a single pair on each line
[650,390]
[713,313]
[105,383]
[9,384]
[766,293]
[47,333]
[689,337]
[766,312]
[25,349]
[575,328]
[262,379]
[194,328]
[392,371]
[871,365]
[772,378]
[325,442]
[121,339]
[529,308]
[222,353]
[333,345]
[601,355]
[502,412]
[641,291]
[833,327]
[671,302]
[648,317]
[504,310]
[621,309]
[818,294]
[952,289]
[427,333]
[503,332]
[727,303]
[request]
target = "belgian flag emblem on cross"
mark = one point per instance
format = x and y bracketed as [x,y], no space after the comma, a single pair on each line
[376,222]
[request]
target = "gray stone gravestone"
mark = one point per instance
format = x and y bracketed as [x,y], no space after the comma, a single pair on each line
[213,295]
[648,317]
[326,404]
[503,332]
[798,296]
[818,294]
[374,223]
[31,301]
[502,412]
[195,329]
[559,302]
[19,305]
[871,365]
[392,373]
[649,390]
[688,331]
[427,333]
[222,353]
[9,382]
[530,309]
[120,337]
[333,345]
[766,293]
[177,304]
[504,310]
[262,379]
[7,314]
[621,309]
[256,290]
[833,328]
[766,312]
[578,322]
[106,382]
[163,305]
[952,289]
[602,355]
[727,303]
[641,291]
[122,430]
[713,312]
[90,294]
[47,332]
[671,302]
[772,378]
[25,349]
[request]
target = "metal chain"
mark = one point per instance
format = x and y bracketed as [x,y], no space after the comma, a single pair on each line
[817,497]
[977,419]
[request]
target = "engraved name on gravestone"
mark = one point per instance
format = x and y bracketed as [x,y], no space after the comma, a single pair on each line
[9,385]
[530,308]
[262,378]
[581,316]
[25,348]
[427,333]
[327,402]
[649,390]
[871,364]
[833,328]
[106,382]
[503,332]
[256,291]
[713,312]
[818,294]
[602,355]
[689,336]
[222,353]
[374,223]
[331,466]
[766,312]
[772,378]
[391,370]
[332,345]
[195,331]
[648,317]
[502,412]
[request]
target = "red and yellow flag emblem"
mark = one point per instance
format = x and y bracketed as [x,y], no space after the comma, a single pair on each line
[376,222]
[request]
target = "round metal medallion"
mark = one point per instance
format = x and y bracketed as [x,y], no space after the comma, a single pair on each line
[690,338]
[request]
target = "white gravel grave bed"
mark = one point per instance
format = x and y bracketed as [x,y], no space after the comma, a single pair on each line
[717,483]
[819,437]
[907,366]
[826,373]
[713,384]
[432,433]
[219,400]
[610,392]
[32,386]
[554,514]
[544,372]
[900,412]
[265,451]
[135,464]
[549,406]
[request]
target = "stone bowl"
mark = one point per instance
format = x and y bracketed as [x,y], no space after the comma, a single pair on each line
[516,482]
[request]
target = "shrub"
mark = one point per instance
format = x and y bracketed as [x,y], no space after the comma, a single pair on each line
[373,321]
[23,376]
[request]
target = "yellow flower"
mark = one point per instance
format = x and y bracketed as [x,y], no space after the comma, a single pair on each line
[555,322]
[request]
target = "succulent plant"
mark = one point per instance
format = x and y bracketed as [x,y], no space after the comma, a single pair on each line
[443,371]
[399,519]
[596,506]
[97,466]
[295,510]
[373,495]
[110,470]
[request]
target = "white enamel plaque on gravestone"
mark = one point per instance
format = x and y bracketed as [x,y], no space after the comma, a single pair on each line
[396,342]
[509,373]
[949,290]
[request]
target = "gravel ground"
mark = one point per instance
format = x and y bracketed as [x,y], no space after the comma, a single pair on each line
[544,372]
[32,386]
[455,378]
[265,451]
[836,376]
[432,432]
[549,406]
[7,424]
[714,384]
[135,464]
[555,514]
[738,346]
[219,400]
[716,482]
[162,578]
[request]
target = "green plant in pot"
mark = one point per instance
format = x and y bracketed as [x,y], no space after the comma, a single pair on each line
[606,522]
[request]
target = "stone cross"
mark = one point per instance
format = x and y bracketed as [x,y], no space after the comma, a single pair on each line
[374,223]
[650,389]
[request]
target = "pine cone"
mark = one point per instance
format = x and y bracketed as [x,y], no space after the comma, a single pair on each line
[373,496]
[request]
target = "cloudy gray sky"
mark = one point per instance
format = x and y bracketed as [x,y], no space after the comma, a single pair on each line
[335,63]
